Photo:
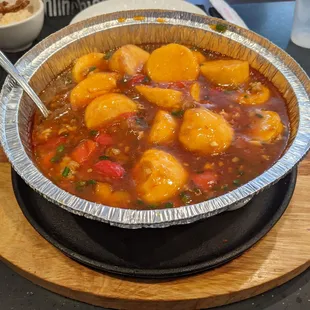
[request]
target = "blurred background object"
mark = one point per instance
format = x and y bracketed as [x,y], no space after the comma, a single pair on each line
[21,22]
[301,26]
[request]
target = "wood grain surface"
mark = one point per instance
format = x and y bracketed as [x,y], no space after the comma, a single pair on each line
[278,257]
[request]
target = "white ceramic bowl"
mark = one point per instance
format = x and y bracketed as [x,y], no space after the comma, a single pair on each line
[19,36]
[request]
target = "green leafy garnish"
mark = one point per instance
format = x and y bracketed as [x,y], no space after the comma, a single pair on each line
[108,55]
[194,49]
[259,115]
[93,68]
[185,198]
[200,171]
[60,148]
[220,28]
[236,182]
[146,79]
[66,172]
[93,133]
[245,96]
[152,206]
[140,202]
[169,205]
[104,157]
[178,113]
[91,182]
[224,187]
[241,172]
[141,122]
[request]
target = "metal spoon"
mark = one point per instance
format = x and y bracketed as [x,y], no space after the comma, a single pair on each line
[10,69]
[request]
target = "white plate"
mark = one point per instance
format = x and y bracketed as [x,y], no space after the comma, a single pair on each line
[111,6]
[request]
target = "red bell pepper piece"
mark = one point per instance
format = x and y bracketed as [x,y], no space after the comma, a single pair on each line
[137,79]
[109,169]
[83,151]
[104,139]
[205,180]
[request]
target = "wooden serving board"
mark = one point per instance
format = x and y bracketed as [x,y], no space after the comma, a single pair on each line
[278,257]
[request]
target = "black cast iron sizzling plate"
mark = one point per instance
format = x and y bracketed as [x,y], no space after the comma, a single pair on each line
[156,253]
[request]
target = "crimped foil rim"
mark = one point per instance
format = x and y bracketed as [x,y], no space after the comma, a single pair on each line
[11,94]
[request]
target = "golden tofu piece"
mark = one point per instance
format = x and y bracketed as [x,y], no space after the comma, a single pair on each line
[205,132]
[162,97]
[163,128]
[256,94]
[195,91]
[172,63]
[93,86]
[158,176]
[199,56]
[266,126]
[106,108]
[226,72]
[129,59]
[92,62]
[105,195]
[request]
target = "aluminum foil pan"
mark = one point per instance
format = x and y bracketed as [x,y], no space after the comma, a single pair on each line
[50,57]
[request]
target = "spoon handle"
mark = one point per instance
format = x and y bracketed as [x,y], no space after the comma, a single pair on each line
[10,69]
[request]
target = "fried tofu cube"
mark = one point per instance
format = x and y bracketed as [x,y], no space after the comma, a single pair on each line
[205,132]
[172,63]
[266,126]
[158,176]
[162,97]
[106,108]
[163,129]
[92,62]
[129,59]
[195,91]
[226,72]
[93,86]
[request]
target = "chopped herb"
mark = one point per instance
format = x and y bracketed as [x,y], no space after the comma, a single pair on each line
[220,27]
[59,151]
[55,159]
[104,157]
[146,79]
[66,172]
[91,182]
[185,198]
[169,205]
[236,182]
[194,49]
[80,185]
[259,115]
[93,133]
[108,55]
[140,202]
[90,69]
[197,191]
[224,187]
[152,206]
[178,113]
[60,148]
[200,171]
[141,122]
[245,96]
[241,172]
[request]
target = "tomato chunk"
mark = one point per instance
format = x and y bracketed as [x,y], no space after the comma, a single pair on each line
[104,139]
[137,79]
[51,143]
[110,169]
[205,180]
[83,151]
